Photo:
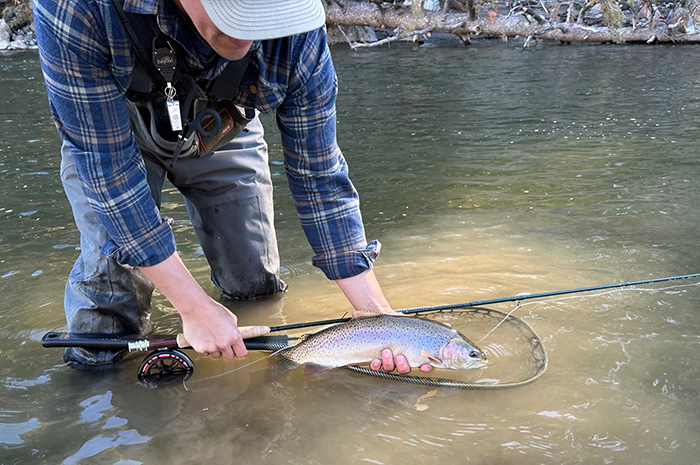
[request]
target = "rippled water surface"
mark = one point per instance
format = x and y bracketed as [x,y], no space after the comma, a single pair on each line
[486,172]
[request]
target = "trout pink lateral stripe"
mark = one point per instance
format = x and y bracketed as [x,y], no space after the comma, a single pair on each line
[361,340]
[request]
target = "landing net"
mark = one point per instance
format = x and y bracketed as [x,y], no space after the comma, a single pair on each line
[515,354]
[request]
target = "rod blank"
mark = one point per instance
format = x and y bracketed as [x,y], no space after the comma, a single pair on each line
[478,303]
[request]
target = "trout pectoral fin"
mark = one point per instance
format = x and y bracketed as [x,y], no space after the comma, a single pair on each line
[312,370]
[430,357]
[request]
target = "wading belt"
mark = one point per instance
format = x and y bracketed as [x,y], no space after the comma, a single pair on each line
[203,120]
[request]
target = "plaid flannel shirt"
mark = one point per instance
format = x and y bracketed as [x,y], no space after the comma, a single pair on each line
[87,60]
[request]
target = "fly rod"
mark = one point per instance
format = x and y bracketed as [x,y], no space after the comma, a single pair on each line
[167,364]
[493,301]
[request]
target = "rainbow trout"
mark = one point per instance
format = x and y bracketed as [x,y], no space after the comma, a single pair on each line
[361,340]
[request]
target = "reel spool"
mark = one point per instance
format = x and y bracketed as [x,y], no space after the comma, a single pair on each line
[165,367]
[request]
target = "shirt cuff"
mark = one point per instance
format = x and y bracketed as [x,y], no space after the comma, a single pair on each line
[348,264]
[148,250]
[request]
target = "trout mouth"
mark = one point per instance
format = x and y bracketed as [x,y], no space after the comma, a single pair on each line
[475,365]
[468,366]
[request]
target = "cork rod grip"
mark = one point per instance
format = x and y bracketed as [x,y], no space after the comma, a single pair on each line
[246,331]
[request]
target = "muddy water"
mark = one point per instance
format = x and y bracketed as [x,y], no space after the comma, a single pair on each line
[486,172]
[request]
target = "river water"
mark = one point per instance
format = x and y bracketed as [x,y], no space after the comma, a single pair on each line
[486,172]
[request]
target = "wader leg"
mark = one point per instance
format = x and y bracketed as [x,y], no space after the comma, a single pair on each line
[101,295]
[229,199]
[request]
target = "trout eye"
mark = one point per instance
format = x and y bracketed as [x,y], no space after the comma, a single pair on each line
[474,354]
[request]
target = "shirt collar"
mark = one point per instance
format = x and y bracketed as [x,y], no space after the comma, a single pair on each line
[146,7]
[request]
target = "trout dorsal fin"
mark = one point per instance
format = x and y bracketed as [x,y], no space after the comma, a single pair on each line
[364,314]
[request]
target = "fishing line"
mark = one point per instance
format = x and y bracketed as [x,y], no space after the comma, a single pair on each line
[517,306]
[240,367]
[612,291]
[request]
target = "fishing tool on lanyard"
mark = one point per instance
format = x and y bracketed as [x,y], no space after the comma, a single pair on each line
[197,125]
[201,123]
[167,364]
[165,61]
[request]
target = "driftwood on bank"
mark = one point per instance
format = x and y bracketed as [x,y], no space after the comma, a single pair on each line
[619,21]
[645,24]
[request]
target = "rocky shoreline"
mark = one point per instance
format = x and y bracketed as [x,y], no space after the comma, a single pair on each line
[22,39]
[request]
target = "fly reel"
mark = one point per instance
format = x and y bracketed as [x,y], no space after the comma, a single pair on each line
[164,368]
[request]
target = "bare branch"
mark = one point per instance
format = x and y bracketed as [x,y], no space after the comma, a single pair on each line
[410,24]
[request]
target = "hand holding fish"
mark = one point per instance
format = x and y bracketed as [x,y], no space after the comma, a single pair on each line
[366,296]
[419,341]
[388,363]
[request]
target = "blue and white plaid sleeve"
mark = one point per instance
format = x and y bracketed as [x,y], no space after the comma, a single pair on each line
[302,86]
[90,112]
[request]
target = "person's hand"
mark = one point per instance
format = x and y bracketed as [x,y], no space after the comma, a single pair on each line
[208,327]
[213,331]
[388,362]
[364,294]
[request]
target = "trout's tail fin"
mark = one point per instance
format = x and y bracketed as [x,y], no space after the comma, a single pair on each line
[281,365]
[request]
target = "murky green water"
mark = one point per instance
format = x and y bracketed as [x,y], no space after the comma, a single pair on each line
[486,172]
